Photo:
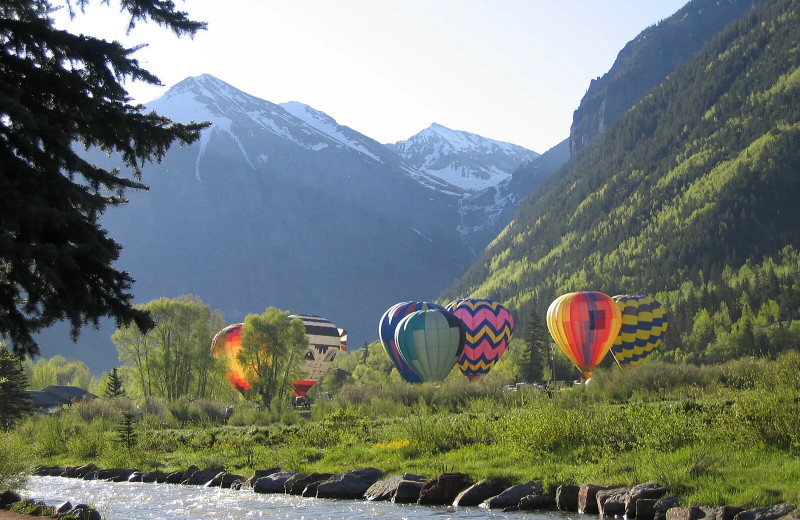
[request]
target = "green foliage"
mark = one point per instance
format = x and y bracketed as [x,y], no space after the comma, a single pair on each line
[126,432]
[690,197]
[14,402]
[58,371]
[272,354]
[60,92]
[173,359]
[114,384]
[15,465]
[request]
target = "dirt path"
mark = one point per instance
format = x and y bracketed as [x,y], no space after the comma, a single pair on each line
[8,515]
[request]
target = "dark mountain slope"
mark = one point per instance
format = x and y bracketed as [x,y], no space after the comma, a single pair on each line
[700,178]
[645,61]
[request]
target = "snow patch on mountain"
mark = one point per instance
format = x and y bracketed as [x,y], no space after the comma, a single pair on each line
[325,124]
[466,160]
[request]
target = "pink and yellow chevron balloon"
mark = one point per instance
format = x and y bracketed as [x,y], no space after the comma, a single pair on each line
[489,328]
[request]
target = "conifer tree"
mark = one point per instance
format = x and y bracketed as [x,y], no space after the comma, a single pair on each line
[14,402]
[114,384]
[537,340]
[60,91]
[126,431]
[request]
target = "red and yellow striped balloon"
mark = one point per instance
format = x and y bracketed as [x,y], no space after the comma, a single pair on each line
[585,325]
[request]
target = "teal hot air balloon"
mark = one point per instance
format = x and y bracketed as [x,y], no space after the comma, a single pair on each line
[430,341]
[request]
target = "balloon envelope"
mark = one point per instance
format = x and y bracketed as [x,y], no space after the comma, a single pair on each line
[226,345]
[386,331]
[644,322]
[584,324]
[489,327]
[430,342]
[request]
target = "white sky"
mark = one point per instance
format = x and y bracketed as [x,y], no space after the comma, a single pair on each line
[511,70]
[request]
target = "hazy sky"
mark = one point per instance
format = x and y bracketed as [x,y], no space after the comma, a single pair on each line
[512,70]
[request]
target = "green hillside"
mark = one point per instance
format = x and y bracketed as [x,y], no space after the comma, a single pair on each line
[691,196]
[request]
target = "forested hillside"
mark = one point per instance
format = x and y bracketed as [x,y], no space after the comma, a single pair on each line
[691,196]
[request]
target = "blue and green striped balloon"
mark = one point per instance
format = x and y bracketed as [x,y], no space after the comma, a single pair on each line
[431,342]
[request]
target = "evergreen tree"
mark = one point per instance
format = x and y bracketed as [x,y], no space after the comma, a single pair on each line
[537,340]
[60,90]
[126,431]
[114,384]
[14,402]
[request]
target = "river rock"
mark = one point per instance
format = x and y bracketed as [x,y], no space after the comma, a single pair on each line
[136,476]
[386,489]
[78,471]
[479,492]
[62,508]
[512,495]
[9,497]
[611,502]
[115,474]
[443,489]
[537,502]
[48,471]
[663,505]
[273,483]
[84,512]
[202,476]
[351,484]
[650,490]
[174,478]
[295,484]
[766,513]
[705,513]
[793,515]
[189,472]
[408,491]
[223,479]
[248,483]
[154,476]
[645,509]
[587,498]
[567,498]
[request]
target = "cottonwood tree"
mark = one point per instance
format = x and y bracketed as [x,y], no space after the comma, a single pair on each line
[272,352]
[60,92]
[173,359]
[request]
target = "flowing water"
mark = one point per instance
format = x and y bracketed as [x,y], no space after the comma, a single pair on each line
[136,500]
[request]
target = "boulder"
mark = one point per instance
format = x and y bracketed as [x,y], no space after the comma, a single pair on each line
[248,483]
[705,513]
[189,472]
[273,483]
[649,490]
[645,509]
[663,505]
[611,502]
[351,484]
[295,484]
[62,508]
[9,497]
[793,515]
[48,471]
[386,489]
[587,498]
[201,476]
[511,496]
[114,474]
[443,489]
[766,513]
[78,471]
[154,476]
[84,512]
[685,513]
[567,498]
[174,478]
[136,476]
[537,502]
[479,492]
[224,480]
[408,492]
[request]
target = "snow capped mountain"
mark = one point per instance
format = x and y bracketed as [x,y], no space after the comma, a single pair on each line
[466,160]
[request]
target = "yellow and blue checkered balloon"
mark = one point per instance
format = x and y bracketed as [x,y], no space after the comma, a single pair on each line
[644,322]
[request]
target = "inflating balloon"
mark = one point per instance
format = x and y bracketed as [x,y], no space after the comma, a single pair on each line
[430,342]
[644,322]
[387,327]
[489,327]
[226,346]
[584,324]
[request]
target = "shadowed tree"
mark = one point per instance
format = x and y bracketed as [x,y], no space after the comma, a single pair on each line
[537,341]
[14,402]
[60,92]
[114,384]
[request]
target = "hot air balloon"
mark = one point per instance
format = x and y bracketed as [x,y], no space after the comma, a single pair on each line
[644,322]
[387,327]
[585,325]
[430,342]
[489,328]
[226,345]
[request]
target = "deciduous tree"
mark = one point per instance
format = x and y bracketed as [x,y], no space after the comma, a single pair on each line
[59,92]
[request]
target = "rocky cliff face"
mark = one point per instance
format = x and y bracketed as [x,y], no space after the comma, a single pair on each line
[646,61]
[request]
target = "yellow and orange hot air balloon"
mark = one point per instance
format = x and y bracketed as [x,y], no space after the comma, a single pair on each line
[226,345]
[585,325]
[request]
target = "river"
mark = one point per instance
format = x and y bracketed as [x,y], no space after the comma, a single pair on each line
[137,501]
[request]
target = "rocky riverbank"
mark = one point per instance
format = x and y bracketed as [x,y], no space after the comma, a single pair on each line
[647,501]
